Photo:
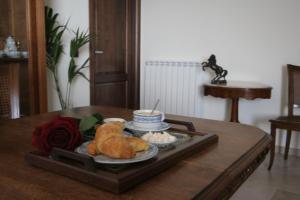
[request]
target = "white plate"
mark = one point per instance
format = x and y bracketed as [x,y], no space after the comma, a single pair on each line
[164,126]
[140,156]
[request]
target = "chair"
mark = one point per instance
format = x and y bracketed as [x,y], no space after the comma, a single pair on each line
[290,122]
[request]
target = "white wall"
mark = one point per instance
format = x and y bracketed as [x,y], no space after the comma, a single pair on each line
[77,12]
[252,39]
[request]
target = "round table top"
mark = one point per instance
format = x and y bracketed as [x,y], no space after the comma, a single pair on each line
[238,89]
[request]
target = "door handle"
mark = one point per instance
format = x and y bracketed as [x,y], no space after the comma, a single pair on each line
[99,52]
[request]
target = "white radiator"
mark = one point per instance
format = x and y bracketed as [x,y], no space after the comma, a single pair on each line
[178,85]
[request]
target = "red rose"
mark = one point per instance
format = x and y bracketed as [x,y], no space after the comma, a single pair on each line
[61,132]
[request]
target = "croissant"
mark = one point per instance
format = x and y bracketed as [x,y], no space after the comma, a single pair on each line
[137,144]
[110,141]
[110,128]
[107,131]
[91,148]
[117,147]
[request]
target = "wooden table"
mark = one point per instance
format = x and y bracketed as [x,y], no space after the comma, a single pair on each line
[214,173]
[238,89]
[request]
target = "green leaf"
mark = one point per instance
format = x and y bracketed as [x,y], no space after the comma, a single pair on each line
[87,123]
[89,134]
[99,117]
[83,76]
[71,70]
[80,39]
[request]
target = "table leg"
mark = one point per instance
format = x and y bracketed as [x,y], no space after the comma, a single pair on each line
[14,74]
[272,149]
[287,145]
[235,110]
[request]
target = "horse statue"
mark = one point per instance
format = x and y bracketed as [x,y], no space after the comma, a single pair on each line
[219,71]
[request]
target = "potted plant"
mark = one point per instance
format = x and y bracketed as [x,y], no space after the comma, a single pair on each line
[55,49]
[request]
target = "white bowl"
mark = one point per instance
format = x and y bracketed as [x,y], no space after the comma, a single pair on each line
[164,145]
[160,144]
[109,120]
[155,125]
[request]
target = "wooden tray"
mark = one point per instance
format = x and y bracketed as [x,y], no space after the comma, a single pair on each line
[84,169]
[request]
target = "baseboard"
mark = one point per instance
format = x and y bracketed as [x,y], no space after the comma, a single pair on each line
[292,151]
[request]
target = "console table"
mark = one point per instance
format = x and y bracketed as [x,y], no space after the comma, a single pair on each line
[10,80]
[214,173]
[238,89]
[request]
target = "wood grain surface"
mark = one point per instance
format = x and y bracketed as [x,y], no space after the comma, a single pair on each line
[239,89]
[214,173]
[114,52]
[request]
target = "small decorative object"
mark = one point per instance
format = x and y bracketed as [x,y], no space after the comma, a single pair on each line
[10,45]
[219,71]
[61,132]
[25,54]
[14,54]
[1,53]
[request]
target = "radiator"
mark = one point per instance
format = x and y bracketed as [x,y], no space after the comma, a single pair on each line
[176,84]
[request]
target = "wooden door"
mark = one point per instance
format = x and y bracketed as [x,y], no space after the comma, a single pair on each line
[114,50]
[37,56]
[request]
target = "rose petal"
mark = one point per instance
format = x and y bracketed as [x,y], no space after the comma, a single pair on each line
[58,139]
[60,132]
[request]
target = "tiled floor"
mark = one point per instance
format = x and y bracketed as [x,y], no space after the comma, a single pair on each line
[284,178]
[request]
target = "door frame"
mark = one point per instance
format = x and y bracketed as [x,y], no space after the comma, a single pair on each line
[35,11]
[132,55]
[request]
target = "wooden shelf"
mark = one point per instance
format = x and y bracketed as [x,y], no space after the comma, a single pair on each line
[12,60]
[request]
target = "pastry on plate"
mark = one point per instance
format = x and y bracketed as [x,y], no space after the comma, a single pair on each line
[91,148]
[110,141]
[107,131]
[138,144]
[117,147]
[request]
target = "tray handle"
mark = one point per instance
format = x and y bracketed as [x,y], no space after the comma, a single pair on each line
[63,155]
[189,125]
